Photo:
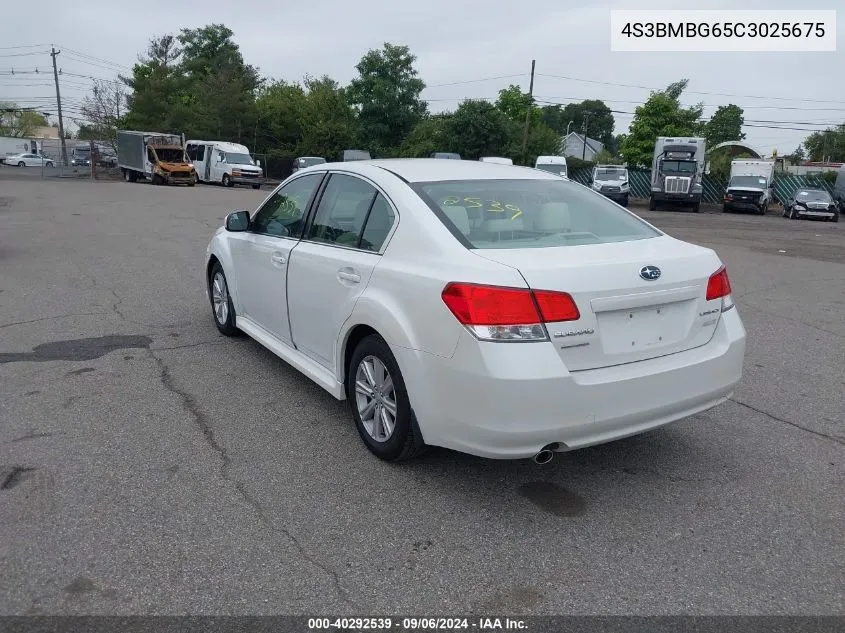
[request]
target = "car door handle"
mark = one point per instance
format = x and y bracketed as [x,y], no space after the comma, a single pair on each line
[278,259]
[348,275]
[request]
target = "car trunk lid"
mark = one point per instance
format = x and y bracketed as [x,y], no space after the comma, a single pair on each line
[624,317]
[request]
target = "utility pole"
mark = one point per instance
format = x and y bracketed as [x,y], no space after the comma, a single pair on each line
[528,114]
[53,54]
[584,150]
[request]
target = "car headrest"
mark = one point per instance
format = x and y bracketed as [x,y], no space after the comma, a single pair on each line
[459,217]
[553,216]
[502,226]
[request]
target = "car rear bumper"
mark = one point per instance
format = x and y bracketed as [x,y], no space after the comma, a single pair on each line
[509,400]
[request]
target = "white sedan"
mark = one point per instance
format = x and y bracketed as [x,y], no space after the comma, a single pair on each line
[496,310]
[28,160]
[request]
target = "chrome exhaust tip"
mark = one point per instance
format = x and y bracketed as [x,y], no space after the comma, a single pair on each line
[544,456]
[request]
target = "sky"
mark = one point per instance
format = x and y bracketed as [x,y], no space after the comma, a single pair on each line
[464,49]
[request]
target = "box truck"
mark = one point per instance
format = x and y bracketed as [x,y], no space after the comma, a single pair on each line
[751,186]
[154,156]
[677,171]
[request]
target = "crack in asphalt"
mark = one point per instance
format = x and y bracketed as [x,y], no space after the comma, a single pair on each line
[115,305]
[31,436]
[54,318]
[190,404]
[826,436]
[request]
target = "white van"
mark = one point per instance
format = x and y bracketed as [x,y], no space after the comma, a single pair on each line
[496,159]
[553,164]
[229,164]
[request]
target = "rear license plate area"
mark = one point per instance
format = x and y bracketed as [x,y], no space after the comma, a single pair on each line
[637,329]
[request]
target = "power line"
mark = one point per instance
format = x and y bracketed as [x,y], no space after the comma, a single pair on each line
[687,105]
[96,59]
[698,92]
[9,48]
[472,81]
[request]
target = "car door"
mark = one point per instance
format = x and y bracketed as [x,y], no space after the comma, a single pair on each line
[261,255]
[332,265]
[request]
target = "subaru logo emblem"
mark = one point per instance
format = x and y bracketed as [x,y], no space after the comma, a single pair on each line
[650,273]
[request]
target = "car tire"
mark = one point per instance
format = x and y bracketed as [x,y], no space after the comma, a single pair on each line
[256,186]
[793,214]
[222,308]
[696,207]
[227,182]
[652,204]
[21,164]
[374,366]
[835,217]
[49,164]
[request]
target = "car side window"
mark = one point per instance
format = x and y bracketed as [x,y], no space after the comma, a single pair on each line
[150,155]
[282,214]
[378,226]
[342,211]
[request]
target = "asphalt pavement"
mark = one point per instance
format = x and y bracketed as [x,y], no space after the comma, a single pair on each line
[151,466]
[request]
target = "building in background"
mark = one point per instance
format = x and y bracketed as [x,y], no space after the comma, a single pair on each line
[573,145]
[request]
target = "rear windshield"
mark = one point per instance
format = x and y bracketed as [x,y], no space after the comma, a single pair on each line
[529,213]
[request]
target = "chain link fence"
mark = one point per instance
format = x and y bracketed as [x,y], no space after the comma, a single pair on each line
[785,184]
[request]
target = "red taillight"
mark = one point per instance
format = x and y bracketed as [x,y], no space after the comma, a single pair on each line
[718,285]
[490,305]
[556,306]
[499,313]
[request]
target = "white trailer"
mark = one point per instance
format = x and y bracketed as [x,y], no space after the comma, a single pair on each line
[751,186]
[226,163]
[11,146]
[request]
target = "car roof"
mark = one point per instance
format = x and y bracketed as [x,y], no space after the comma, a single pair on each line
[435,169]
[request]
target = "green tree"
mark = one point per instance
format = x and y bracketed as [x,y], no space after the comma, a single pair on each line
[661,115]
[428,136]
[387,95]
[221,87]
[542,141]
[156,84]
[592,112]
[828,145]
[18,122]
[552,115]
[478,128]
[278,128]
[513,102]
[724,125]
[327,121]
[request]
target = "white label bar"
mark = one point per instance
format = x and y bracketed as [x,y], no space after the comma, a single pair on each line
[719,31]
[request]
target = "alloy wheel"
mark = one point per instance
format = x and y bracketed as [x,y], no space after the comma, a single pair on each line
[375,397]
[220,298]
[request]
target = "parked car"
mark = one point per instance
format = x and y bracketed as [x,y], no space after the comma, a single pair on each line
[381,298]
[811,203]
[28,160]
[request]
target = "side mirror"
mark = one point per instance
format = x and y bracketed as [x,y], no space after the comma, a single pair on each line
[258,163]
[237,221]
